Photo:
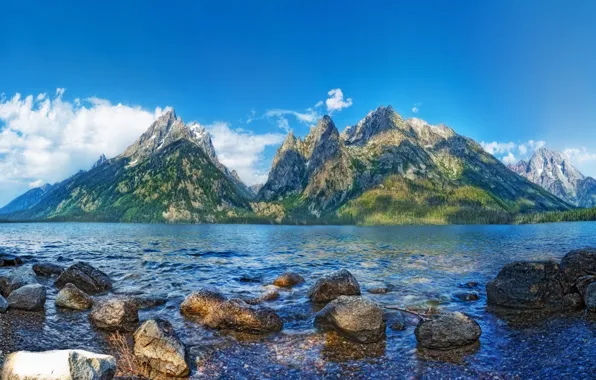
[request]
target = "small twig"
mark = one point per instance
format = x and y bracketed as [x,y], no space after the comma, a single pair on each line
[417,315]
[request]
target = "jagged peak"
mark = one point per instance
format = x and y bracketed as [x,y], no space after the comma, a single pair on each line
[100,161]
[379,120]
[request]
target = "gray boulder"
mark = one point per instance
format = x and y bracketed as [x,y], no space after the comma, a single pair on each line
[71,297]
[466,296]
[157,345]
[47,269]
[333,285]
[527,285]
[356,318]
[3,305]
[17,278]
[86,278]
[288,280]
[28,297]
[202,302]
[576,264]
[447,331]
[237,315]
[58,365]
[590,297]
[115,314]
[10,260]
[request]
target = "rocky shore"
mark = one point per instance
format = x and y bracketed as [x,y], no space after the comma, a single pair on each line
[151,347]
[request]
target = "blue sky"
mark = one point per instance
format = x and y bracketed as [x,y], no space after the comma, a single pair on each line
[503,72]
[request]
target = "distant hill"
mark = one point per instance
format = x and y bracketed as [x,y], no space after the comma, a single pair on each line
[553,171]
[26,200]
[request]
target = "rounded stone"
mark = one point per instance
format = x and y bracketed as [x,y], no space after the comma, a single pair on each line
[447,331]
[288,280]
[71,297]
[333,285]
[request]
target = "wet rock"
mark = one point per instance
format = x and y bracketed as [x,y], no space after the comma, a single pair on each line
[379,290]
[59,364]
[86,278]
[237,315]
[47,269]
[581,284]
[10,260]
[469,285]
[28,297]
[71,297]
[578,263]
[467,296]
[573,301]
[114,314]
[527,285]
[17,278]
[271,295]
[447,331]
[250,278]
[158,346]
[288,280]
[590,297]
[354,317]
[333,285]
[146,302]
[202,302]
[3,305]
[397,322]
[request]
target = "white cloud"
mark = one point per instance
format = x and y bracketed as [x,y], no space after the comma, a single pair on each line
[242,150]
[579,156]
[523,150]
[319,104]
[415,109]
[495,147]
[510,159]
[38,183]
[46,139]
[336,101]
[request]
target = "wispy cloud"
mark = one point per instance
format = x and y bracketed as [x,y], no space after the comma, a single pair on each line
[416,107]
[336,101]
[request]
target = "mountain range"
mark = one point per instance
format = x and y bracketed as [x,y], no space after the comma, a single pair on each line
[553,171]
[383,170]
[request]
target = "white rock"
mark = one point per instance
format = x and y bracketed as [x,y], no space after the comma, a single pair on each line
[58,365]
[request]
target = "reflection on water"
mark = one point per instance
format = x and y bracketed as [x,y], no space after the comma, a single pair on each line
[421,267]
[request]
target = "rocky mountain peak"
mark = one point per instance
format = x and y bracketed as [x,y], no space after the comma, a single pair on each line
[100,161]
[377,121]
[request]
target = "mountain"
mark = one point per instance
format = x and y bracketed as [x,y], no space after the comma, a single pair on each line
[553,171]
[386,169]
[26,200]
[101,161]
[170,174]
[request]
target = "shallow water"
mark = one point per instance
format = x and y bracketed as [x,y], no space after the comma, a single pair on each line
[420,265]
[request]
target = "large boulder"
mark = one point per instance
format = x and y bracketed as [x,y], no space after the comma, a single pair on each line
[158,346]
[288,280]
[590,297]
[354,317]
[71,297]
[17,278]
[115,314]
[333,285]
[577,264]
[47,269]
[28,297]
[236,314]
[58,365]
[10,260]
[447,331]
[527,285]
[86,278]
[202,302]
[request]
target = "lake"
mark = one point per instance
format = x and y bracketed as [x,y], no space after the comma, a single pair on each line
[421,265]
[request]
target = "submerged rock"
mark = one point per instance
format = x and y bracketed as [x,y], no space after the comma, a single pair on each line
[379,290]
[527,285]
[333,285]
[271,295]
[10,260]
[71,297]
[146,302]
[398,322]
[157,345]
[590,297]
[47,269]
[288,280]
[86,278]
[115,313]
[58,365]
[29,297]
[3,305]
[17,278]
[202,302]
[447,331]
[467,295]
[355,317]
[237,315]
[576,264]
